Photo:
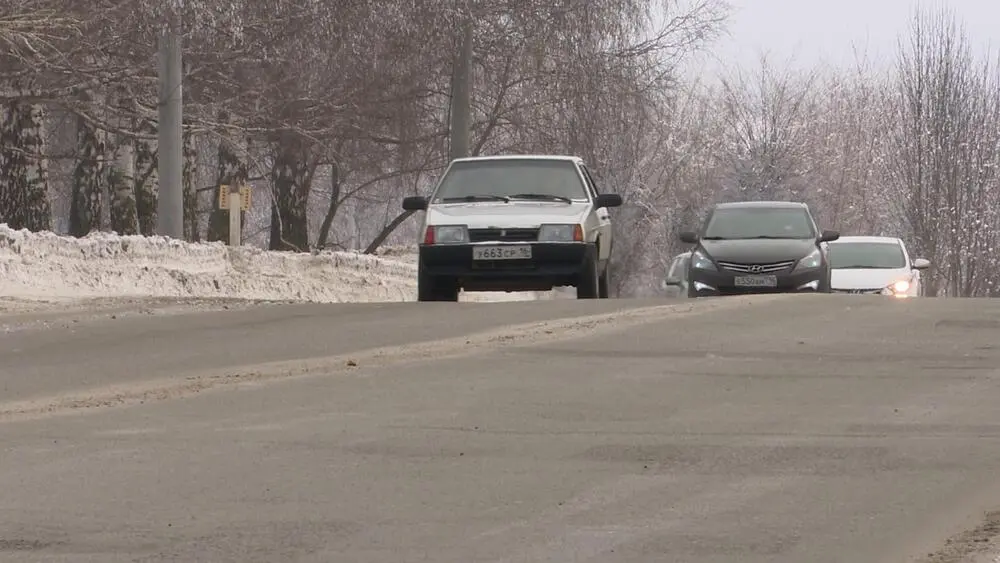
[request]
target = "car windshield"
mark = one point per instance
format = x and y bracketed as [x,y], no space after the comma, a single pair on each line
[759,222]
[868,255]
[486,180]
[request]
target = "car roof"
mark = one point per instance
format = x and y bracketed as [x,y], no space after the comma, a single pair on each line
[762,204]
[864,238]
[563,157]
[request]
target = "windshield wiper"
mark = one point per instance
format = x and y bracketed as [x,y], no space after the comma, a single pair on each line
[542,196]
[862,267]
[478,197]
[713,238]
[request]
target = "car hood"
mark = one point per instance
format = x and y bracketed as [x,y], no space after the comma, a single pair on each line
[758,251]
[861,278]
[516,214]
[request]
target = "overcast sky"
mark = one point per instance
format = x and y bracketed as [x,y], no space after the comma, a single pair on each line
[806,32]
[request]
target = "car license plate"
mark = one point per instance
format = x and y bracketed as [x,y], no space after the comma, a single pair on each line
[504,252]
[756,281]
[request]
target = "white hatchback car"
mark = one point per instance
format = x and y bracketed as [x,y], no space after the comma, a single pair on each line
[514,223]
[876,265]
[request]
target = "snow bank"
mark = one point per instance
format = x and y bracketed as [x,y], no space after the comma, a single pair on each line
[46,265]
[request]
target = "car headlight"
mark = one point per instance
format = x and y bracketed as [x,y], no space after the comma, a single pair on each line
[701,262]
[897,288]
[446,234]
[561,233]
[810,262]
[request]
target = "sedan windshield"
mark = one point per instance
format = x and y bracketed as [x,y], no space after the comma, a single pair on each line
[502,180]
[759,222]
[868,255]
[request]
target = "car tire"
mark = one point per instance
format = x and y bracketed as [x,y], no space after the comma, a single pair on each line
[588,286]
[604,285]
[430,288]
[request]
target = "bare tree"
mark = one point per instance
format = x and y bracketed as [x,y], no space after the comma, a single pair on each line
[935,122]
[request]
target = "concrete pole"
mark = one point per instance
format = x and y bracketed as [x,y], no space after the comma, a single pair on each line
[170,152]
[461,95]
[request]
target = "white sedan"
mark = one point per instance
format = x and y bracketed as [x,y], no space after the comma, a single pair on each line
[876,265]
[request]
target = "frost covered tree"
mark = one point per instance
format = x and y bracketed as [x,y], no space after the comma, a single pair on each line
[943,156]
[24,179]
[27,34]
[767,115]
[89,179]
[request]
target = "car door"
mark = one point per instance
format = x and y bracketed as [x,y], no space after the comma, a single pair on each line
[603,217]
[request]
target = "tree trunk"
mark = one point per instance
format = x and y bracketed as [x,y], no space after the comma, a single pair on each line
[121,184]
[123,215]
[291,176]
[87,204]
[191,230]
[24,179]
[146,179]
[388,231]
[331,212]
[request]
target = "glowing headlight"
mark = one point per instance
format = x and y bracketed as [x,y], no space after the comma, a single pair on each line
[897,288]
[560,233]
[701,262]
[810,262]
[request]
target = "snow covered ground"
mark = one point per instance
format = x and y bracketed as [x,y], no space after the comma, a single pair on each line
[49,267]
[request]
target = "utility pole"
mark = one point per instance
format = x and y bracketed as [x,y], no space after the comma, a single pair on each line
[461,95]
[170,152]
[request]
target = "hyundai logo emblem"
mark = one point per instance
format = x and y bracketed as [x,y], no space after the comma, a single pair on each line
[756,269]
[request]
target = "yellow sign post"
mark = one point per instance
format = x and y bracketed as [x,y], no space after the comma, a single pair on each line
[235,201]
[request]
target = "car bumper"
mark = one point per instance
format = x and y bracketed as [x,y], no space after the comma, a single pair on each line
[847,291]
[550,265]
[706,283]
[884,292]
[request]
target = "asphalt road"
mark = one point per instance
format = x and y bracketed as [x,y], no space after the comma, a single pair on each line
[798,429]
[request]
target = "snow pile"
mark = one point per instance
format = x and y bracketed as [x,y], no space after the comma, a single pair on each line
[46,265]
[52,267]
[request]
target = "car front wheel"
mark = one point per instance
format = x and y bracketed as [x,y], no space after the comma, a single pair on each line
[588,286]
[430,288]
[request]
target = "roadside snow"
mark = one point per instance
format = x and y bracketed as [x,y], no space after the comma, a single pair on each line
[46,266]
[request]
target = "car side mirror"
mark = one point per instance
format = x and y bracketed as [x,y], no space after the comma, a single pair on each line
[689,237]
[921,264]
[414,203]
[672,281]
[829,236]
[608,200]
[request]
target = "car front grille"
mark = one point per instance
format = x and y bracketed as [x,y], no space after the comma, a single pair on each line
[771,268]
[503,235]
